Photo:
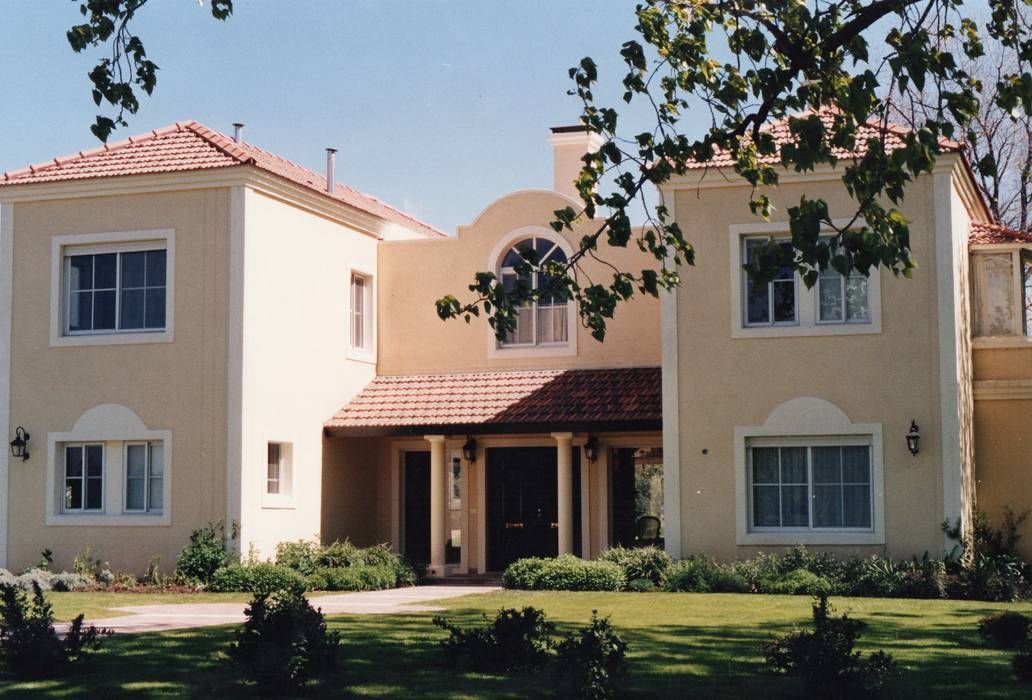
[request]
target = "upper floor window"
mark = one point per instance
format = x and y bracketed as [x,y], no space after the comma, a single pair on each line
[114,290]
[545,321]
[361,313]
[773,303]
[1002,293]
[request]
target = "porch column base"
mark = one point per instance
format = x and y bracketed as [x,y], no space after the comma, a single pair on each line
[438,486]
[564,474]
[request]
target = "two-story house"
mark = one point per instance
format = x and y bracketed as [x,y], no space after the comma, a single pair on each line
[193,329]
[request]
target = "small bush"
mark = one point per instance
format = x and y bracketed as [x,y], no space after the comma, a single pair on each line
[352,578]
[702,575]
[284,642]
[515,640]
[640,563]
[29,645]
[255,578]
[1004,629]
[825,658]
[564,573]
[206,553]
[301,556]
[591,664]
[797,582]
[1022,666]
[523,574]
[641,585]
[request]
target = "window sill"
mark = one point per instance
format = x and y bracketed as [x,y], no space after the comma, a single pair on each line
[811,537]
[109,520]
[357,355]
[278,503]
[824,329]
[517,351]
[87,339]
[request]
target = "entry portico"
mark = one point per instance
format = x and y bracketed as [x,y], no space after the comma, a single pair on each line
[484,468]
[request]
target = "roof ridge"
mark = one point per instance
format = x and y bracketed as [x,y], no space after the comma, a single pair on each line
[220,141]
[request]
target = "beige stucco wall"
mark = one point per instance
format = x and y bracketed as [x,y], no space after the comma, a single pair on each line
[887,378]
[414,274]
[297,369]
[351,490]
[178,386]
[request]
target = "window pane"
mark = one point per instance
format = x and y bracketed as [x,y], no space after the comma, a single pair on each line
[557,255]
[857,506]
[154,316]
[156,494]
[134,494]
[155,268]
[273,472]
[784,301]
[80,314]
[157,459]
[765,465]
[104,311]
[105,268]
[94,494]
[73,494]
[757,301]
[994,312]
[94,460]
[73,461]
[827,465]
[794,507]
[856,465]
[829,290]
[80,273]
[856,298]
[766,506]
[132,309]
[524,325]
[543,246]
[827,506]
[793,465]
[136,461]
[133,270]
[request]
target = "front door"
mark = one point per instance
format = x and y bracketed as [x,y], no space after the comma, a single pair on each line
[417,507]
[522,508]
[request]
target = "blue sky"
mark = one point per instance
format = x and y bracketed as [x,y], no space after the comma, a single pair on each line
[436,107]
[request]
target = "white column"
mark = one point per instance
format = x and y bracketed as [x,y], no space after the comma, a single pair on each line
[438,486]
[564,472]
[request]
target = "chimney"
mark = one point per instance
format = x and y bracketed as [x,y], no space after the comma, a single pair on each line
[331,154]
[238,131]
[569,144]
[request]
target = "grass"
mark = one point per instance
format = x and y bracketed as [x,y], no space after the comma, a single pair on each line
[680,645]
[98,605]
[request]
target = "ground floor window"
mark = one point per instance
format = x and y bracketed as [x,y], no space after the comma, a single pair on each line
[637,496]
[279,486]
[83,478]
[144,477]
[810,486]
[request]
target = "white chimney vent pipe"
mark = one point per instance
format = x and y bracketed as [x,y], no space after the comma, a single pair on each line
[331,158]
[238,131]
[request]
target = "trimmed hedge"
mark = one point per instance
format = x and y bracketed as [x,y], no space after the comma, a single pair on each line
[640,564]
[565,573]
[254,578]
[352,578]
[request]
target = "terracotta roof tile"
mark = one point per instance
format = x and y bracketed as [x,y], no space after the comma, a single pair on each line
[893,135]
[192,146]
[575,396]
[985,234]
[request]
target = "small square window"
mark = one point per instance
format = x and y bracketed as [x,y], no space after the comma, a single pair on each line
[361,312]
[278,473]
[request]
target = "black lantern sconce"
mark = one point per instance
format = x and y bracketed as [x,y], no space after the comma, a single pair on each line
[591,448]
[914,439]
[20,444]
[469,450]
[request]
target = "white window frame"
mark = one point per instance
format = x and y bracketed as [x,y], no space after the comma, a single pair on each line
[770,290]
[98,243]
[148,476]
[114,426]
[809,444]
[284,498]
[807,303]
[497,350]
[367,351]
[103,475]
[812,422]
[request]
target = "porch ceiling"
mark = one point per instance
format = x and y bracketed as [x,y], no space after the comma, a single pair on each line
[625,398]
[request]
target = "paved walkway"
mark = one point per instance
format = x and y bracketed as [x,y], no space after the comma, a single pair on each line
[176,616]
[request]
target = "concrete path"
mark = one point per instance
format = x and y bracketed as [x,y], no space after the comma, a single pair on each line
[176,616]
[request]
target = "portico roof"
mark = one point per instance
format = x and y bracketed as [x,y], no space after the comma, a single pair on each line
[624,398]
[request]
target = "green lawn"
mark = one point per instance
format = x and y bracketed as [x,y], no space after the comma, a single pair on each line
[681,645]
[97,605]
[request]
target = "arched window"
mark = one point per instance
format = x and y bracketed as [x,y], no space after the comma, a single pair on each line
[543,322]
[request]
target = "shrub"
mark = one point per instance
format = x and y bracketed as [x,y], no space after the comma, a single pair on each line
[255,578]
[301,556]
[377,566]
[692,575]
[824,658]
[523,573]
[641,585]
[640,563]
[29,645]
[284,642]
[591,664]
[515,640]
[571,573]
[1004,629]
[352,578]
[1022,666]
[797,582]
[205,554]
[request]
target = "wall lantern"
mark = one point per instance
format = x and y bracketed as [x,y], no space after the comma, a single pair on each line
[914,438]
[469,450]
[20,444]
[591,448]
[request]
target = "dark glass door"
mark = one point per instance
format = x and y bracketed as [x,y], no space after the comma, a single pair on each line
[417,507]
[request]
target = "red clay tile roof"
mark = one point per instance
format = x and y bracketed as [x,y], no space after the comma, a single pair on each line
[193,146]
[631,397]
[892,134]
[983,234]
